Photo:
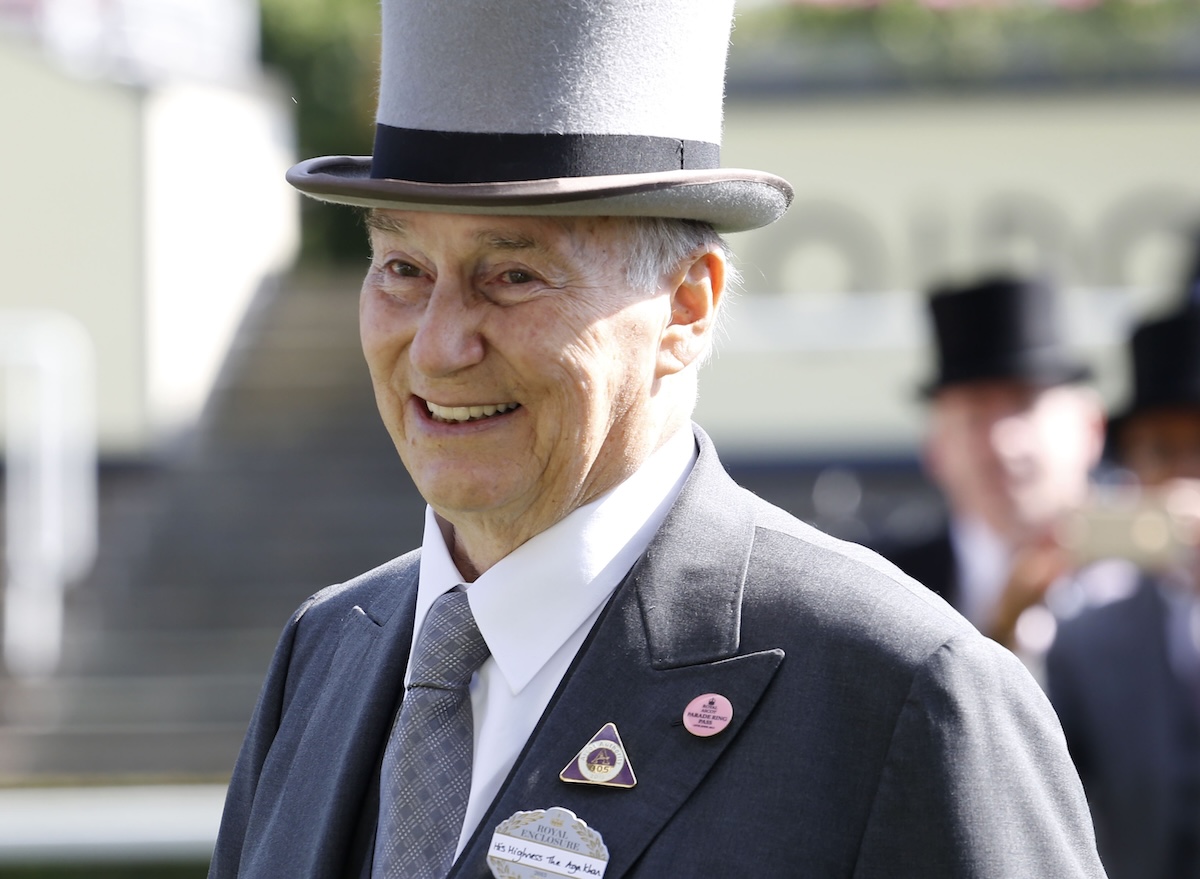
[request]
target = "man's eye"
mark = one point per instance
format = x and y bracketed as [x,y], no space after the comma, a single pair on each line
[403,269]
[516,276]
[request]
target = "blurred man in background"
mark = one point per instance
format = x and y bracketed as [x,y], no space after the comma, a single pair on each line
[1014,431]
[1125,677]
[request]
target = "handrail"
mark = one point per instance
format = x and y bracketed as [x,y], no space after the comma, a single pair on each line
[64,825]
[50,480]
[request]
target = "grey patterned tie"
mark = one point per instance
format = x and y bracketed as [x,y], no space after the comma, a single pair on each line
[426,776]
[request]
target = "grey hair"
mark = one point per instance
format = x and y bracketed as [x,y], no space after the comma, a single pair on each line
[658,245]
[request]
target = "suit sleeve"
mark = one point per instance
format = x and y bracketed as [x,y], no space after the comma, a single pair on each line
[243,786]
[977,781]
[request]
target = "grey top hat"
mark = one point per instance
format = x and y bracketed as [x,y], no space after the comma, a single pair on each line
[543,107]
[1000,328]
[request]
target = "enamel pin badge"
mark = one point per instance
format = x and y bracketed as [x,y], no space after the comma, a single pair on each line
[707,715]
[601,761]
[546,843]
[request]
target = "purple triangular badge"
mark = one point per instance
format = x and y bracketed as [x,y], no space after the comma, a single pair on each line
[601,761]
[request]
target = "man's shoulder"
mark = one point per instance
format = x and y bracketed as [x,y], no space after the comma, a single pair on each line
[377,591]
[857,631]
[315,630]
[844,588]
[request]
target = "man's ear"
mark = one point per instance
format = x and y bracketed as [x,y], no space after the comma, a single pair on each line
[695,296]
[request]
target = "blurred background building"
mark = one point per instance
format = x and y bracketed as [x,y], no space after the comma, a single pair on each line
[193,329]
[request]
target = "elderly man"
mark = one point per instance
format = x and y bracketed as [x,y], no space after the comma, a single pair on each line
[607,659]
[1014,432]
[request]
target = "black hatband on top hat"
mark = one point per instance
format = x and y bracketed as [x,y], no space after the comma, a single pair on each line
[493,157]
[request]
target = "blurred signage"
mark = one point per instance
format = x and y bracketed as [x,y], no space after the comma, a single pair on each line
[1092,187]
[1098,189]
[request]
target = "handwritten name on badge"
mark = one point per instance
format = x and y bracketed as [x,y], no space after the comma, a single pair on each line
[546,843]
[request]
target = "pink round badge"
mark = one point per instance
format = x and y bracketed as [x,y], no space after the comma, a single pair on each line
[707,715]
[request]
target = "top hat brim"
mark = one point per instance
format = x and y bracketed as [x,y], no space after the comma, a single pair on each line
[1046,376]
[730,199]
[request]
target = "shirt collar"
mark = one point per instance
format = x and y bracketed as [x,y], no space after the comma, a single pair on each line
[529,603]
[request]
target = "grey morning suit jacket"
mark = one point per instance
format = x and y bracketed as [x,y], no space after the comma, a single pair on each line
[875,732]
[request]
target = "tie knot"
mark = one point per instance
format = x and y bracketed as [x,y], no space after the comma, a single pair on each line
[450,647]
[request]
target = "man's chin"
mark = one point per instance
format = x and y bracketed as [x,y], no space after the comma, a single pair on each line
[467,496]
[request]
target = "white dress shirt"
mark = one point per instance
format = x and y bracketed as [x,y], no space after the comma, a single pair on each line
[984,565]
[536,606]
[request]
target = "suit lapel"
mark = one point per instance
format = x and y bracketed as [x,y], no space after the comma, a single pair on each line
[332,802]
[670,634]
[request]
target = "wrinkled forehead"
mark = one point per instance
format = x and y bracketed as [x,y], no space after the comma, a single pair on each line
[565,234]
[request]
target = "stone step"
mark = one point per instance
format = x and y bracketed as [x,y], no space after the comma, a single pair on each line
[94,754]
[123,726]
[127,651]
[127,701]
[186,608]
[235,562]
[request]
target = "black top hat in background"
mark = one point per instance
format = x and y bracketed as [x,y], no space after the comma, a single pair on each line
[1165,354]
[997,328]
[1166,361]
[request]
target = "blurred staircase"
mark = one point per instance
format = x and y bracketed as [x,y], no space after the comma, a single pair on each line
[290,483]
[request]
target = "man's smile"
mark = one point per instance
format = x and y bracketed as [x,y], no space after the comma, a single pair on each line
[457,414]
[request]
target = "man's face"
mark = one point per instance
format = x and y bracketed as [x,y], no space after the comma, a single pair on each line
[512,364]
[1013,454]
[1162,444]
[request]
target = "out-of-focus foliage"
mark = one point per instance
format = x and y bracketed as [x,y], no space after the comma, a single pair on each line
[978,42]
[327,51]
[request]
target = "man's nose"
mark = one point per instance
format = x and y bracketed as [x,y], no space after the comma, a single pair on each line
[448,337]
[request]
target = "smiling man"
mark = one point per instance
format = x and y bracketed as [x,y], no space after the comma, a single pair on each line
[520,370]
[606,658]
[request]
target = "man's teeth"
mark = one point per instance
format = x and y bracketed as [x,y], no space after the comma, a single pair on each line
[467,413]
